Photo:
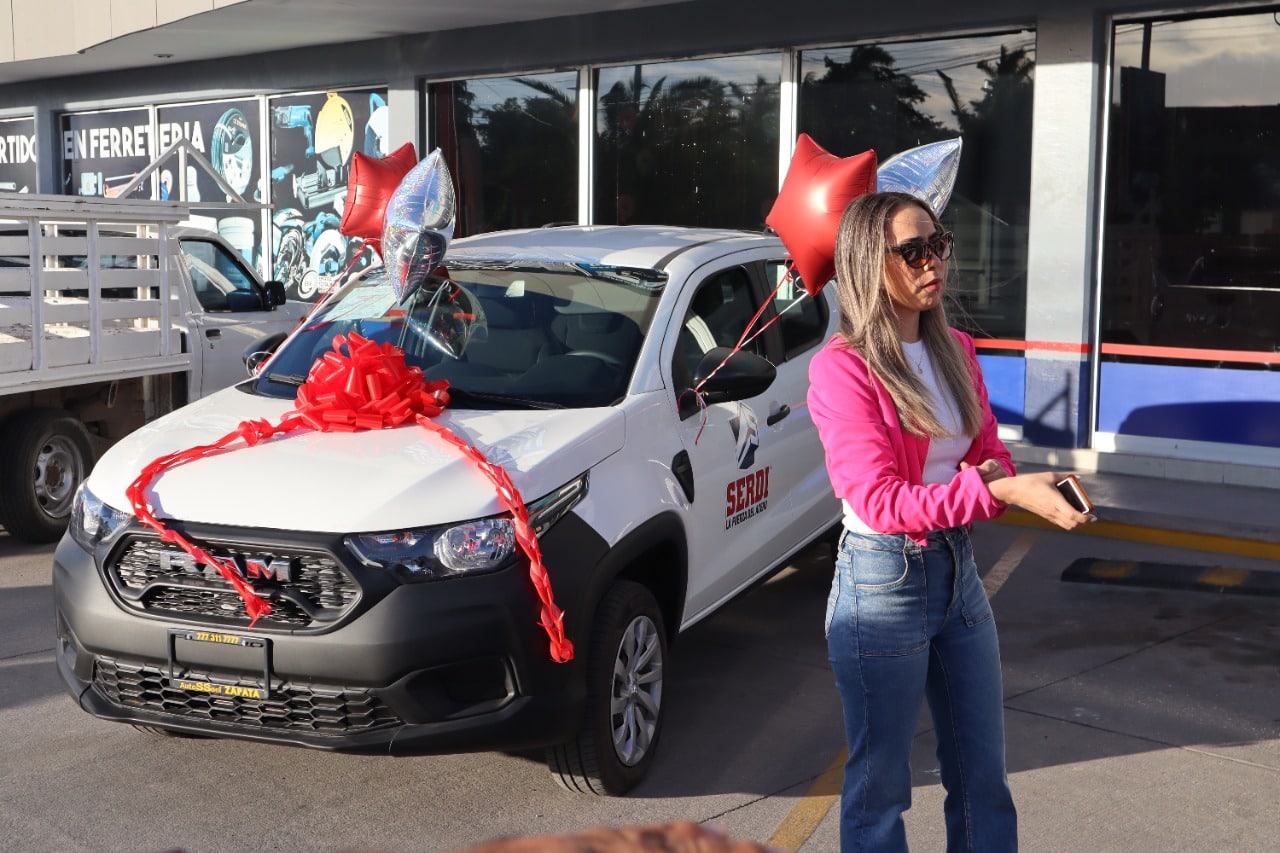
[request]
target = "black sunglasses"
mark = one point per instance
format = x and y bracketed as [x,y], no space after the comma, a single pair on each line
[915,252]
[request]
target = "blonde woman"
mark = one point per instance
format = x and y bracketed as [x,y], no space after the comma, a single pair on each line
[912,451]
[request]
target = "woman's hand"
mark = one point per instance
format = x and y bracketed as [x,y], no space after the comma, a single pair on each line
[989,470]
[1037,493]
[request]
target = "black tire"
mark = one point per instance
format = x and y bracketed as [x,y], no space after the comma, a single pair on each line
[45,455]
[615,747]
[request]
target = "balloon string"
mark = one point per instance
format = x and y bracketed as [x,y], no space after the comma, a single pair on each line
[702,409]
[334,281]
[369,387]
[745,338]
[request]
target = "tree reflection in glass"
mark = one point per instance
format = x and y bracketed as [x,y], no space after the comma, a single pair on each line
[512,144]
[894,97]
[688,143]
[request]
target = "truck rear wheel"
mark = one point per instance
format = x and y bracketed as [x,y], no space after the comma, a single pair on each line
[44,457]
[614,748]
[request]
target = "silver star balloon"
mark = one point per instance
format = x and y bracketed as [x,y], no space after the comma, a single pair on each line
[927,172]
[418,224]
[447,315]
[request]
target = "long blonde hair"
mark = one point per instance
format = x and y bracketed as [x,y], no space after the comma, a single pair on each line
[869,324]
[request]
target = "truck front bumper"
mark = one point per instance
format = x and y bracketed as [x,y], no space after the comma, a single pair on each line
[447,666]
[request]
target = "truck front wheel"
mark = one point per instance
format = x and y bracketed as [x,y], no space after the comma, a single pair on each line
[44,457]
[615,746]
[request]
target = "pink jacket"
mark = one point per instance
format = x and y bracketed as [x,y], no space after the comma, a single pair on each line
[876,465]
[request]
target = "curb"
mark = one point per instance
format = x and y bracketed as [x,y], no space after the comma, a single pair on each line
[1173,576]
[1173,535]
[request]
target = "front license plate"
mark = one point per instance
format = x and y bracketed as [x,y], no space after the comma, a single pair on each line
[192,651]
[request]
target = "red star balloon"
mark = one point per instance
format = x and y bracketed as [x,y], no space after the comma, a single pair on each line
[373,181]
[806,215]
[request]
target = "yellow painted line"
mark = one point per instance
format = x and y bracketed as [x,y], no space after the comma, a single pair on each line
[1222,576]
[1214,543]
[1009,560]
[804,818]
[1114,570]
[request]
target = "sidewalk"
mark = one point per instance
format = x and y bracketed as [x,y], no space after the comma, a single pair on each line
[1212,509]
[1222,520]
[1223,509]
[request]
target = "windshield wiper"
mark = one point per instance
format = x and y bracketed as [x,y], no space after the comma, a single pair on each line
[639,279]
[462,394]
[286,378]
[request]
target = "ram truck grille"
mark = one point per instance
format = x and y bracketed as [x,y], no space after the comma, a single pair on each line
[306,589]
[291,707]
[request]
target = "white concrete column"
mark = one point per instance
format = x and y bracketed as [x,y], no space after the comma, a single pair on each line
[405,109]
[1062,234]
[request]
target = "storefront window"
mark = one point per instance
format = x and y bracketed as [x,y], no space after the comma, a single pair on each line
[229,135]
[313,138]
[103,152]
[1190,293]
[893,97]
[688,143]
[1192,234]
[18,155]
[512,145]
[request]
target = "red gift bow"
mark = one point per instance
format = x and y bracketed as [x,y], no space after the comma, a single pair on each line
[370,388]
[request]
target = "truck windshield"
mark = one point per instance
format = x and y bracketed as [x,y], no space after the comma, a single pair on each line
[503,335]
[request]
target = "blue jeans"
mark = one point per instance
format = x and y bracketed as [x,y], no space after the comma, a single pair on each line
[906,623]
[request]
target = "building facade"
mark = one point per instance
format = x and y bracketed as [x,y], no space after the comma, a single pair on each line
[1117,209]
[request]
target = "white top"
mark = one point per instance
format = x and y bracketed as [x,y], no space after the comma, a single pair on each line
[942,462]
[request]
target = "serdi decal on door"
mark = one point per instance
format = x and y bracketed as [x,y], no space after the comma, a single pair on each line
[747,497]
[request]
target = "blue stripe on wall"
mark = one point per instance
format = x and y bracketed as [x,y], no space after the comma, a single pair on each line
[1218,404]
[1006,378]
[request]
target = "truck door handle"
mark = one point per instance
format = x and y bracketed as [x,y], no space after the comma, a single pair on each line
[781,412]
[212,333]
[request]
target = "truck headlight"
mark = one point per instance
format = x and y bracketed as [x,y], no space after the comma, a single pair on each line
[432,553]
[92,521]
[467,548]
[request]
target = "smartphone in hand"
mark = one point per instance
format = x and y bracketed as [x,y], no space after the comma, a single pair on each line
[1069,487]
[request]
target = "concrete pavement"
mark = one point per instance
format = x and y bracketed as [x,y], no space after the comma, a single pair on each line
[1142,712]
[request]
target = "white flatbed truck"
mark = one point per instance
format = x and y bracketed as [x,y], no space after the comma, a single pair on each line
[112,313]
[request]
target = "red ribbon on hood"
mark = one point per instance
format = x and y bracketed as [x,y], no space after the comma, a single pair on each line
[369,387]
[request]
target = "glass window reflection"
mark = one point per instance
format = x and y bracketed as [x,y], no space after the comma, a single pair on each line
[688,143]
[512,145]
[801,320]
[1191,254]
[893,97]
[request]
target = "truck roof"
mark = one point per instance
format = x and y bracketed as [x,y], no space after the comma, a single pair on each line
[635,246]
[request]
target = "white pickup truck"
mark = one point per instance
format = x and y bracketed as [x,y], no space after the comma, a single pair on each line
[666,464]
[112,313]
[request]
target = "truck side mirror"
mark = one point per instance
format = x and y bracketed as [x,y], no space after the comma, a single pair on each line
[275,293]
[726,376]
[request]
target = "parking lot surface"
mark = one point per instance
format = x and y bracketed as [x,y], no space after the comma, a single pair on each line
[1140,718]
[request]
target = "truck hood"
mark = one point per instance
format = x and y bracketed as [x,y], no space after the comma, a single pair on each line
[351,482]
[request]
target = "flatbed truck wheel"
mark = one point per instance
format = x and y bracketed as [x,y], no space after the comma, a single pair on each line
[45,455]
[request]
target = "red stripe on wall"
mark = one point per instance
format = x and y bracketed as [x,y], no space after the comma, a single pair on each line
[1215,355]
[1179,353]
[1039,346]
